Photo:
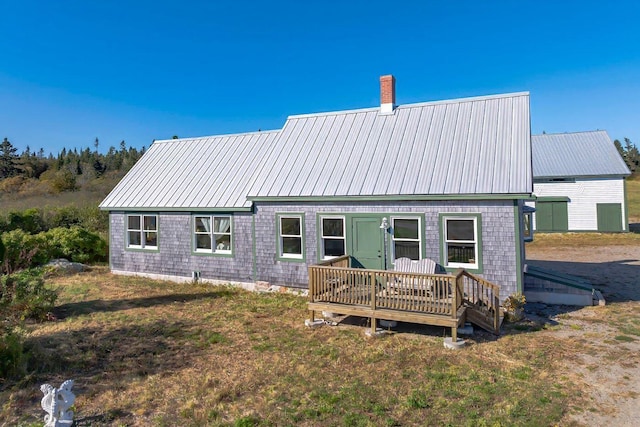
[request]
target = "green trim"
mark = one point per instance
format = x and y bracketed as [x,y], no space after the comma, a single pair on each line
[553,199]
[421,230]
[253,247]
[212,254]
[519,224]
[279,257]
[552,276]
[155,249]
[110,246]
[401,198]
[626,206]
[443,253]
[319,216]
[171,209]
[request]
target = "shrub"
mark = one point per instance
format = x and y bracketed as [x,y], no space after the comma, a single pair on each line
[75,244]
[12,356]
[23,296]
[23,250]
[29,220]
[64,180]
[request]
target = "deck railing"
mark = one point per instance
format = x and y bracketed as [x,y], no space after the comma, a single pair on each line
[483,297]
[385,289]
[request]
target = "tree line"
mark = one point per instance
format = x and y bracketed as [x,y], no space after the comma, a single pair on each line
[69,169]
[629,153]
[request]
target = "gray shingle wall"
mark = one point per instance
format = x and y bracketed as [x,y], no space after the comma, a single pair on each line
[498,236]
[175,256]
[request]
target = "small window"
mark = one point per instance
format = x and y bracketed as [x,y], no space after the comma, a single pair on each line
[212,234]
[333,237]
[142,231]
[290,236]
[527,219]
[461,242]
[406,238]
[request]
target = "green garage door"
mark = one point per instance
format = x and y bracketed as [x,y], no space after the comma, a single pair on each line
[551,216]
[609,217]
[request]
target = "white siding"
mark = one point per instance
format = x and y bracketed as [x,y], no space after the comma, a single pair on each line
[583,196]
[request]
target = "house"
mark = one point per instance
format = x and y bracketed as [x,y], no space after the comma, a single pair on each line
[444,180]
[579,183]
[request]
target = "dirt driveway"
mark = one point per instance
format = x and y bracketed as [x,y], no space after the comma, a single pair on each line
[607,339]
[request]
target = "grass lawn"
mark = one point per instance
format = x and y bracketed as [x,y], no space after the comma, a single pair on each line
[144,352]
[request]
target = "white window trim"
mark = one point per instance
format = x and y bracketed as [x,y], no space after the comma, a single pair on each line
[466,265]
[394,239]
[323,237]
[281,236]
[142,231]
[211,233]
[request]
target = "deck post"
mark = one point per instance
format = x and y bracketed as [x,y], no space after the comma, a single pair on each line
[454,333]
[372,278]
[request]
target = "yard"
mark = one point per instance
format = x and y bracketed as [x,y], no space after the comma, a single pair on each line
[147,353]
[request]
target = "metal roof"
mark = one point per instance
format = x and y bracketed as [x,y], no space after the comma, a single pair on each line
[576,154]
[192,173]
[466,146]
[469,146]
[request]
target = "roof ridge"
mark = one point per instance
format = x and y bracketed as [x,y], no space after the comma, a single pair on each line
[572,133]
[224,135]
[413,105]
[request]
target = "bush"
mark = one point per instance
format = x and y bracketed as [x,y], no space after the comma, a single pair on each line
[23,250]
[23,296]
[75,244]
[12,356]
[64,180]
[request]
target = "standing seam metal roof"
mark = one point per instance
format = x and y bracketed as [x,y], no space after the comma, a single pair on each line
[467,146]
[576,154]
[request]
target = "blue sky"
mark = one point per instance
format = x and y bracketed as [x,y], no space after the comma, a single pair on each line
[138,70]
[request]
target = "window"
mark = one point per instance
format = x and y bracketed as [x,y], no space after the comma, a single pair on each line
[527,220]
[212,234]
[290,236]
[406,238]
[461,241]
[333,237]
[142,231]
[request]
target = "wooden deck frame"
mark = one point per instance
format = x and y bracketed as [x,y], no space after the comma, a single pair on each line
[432,299]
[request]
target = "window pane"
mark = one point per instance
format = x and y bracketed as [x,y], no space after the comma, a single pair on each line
[151,239]
[333,247]
[460,229]
[203,241]
[134,238]
[527,225]
[405,228]
[222,224]
[134,222]
[150,222]
[332,227]
[292,245]
[203,224]
[290,226]
[407,249]
[462,253]
[223,242]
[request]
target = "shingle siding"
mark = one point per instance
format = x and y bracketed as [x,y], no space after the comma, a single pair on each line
[498,236]
[175,256]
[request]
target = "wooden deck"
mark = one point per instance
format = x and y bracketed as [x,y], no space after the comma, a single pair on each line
[433,299]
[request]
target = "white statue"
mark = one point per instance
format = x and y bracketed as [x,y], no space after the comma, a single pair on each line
[56,402]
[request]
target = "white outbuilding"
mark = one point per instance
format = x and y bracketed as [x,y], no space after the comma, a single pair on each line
[579,183]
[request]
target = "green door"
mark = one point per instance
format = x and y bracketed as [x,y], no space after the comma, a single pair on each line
[367,242]
[551,216]
[609,216]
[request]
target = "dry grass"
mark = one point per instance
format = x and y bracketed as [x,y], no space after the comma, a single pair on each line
[144,352]
[542,240]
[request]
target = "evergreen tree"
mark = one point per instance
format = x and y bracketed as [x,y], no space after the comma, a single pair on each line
[8,159]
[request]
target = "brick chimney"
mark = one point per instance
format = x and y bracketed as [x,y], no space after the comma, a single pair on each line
[387,94]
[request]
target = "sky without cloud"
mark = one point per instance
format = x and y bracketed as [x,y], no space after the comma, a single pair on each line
[139,70]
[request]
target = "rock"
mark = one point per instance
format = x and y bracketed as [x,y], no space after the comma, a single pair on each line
[65,266]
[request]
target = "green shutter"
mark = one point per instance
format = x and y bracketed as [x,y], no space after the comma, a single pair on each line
[609,216]
[560,216]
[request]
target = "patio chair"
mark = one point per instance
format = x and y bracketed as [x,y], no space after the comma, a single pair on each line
[412,284]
